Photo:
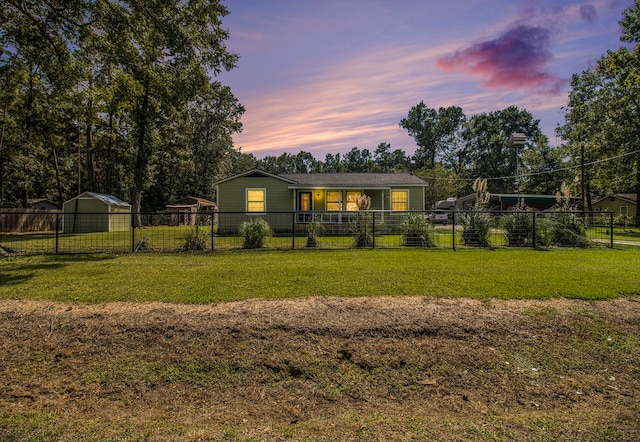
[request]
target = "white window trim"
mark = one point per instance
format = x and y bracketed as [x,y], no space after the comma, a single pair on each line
[625,211]
[246,198]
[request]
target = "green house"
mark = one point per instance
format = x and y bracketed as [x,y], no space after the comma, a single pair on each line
[95,212]
[299,198]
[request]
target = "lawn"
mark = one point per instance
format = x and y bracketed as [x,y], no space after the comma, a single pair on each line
[231,276]
[549,350]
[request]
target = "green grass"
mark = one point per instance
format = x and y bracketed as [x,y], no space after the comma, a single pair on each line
[229,276]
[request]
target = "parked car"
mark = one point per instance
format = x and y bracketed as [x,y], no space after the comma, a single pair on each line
[439,217]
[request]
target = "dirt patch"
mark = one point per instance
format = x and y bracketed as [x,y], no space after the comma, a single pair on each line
[401,368]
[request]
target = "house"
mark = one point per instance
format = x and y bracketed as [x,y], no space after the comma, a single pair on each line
[184,211]
[503,201]
[95,212]
[618,203]
[44,204]
[322,197]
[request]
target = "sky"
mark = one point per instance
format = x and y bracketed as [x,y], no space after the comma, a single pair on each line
[324,76]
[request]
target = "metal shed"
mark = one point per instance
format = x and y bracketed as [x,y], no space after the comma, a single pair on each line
[95,212]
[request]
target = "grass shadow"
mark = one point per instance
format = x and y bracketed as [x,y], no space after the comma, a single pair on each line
[14,271]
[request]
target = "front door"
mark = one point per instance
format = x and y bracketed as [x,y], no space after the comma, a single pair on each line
[305,204]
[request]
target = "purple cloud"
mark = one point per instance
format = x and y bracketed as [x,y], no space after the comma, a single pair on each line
[516,59]
[588,13]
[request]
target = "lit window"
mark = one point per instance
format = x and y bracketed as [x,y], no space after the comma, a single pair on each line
[352,200]
[400,200]
[333,200]
[256,200]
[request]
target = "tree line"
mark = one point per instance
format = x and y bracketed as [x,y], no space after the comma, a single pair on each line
[114,96]
[120,97]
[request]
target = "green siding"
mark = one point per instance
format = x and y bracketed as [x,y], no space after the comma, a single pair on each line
[232,196]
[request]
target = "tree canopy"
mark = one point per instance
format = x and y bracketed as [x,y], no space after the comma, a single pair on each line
[110,94]
[602,127]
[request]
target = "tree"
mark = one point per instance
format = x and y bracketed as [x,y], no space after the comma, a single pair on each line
[169,49]
[543,167]
[490,155]
[603,113]
[433,130]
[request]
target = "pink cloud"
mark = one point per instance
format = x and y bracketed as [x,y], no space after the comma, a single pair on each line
[514,60]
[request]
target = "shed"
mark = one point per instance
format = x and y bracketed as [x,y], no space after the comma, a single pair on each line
[184,211]
[95,212]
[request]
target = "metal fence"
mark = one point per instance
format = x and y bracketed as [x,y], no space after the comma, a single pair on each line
[55,232]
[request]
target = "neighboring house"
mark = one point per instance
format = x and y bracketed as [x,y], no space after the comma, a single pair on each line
[503,201]
[317,196]
[184,211]
[95,212]
[44,204]
[618,203]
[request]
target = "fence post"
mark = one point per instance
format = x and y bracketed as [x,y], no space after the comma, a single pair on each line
[611,229]
[213,220]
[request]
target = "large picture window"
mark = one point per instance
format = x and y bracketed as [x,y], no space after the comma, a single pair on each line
[352,200]
[400,200]
[256,200]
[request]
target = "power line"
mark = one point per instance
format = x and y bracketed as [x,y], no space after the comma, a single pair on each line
[530,174]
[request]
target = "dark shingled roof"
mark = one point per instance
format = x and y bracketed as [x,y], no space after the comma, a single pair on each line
[359,180]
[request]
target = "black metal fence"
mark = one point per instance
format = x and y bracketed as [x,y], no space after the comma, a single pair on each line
[54,232]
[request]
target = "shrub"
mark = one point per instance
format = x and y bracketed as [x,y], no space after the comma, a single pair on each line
[475,222]
[254,232]
[196,240]
[417,231]
[519,225]
[568,227]
[314,228]
[362,224]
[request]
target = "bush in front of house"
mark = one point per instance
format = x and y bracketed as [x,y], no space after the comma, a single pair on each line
[518,225]
[362,224]
[254,232]
[568,227]
[417,231]
[314,228]
[475,222]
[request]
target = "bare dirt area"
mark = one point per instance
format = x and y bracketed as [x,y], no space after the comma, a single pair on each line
[396,368]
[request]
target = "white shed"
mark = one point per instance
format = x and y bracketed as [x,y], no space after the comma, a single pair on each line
[95,212]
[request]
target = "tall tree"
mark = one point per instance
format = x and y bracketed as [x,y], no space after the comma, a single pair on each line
[433,130]
[169,49]
[603,113]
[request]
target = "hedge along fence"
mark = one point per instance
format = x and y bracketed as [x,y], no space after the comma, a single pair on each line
[298,230]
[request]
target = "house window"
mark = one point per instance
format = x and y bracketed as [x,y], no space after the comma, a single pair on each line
[400,200]
[256,200]
[624,210]
[352,200]
[333,200]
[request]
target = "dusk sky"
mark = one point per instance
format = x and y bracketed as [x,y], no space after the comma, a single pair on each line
[325,76]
